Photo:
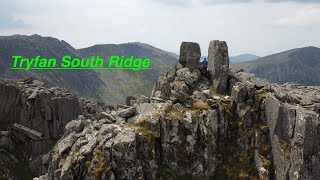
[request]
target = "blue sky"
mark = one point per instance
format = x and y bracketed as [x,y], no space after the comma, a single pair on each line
[258,27]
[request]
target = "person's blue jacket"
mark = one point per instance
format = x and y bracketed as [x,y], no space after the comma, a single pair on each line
[205,62]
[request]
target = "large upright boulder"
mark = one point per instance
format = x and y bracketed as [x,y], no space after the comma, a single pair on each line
[218,64]
[190,55]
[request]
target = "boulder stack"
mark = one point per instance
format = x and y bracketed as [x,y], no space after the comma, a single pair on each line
[190,55]
[218,65]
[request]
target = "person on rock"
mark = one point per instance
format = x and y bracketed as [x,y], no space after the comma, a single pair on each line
[204,66]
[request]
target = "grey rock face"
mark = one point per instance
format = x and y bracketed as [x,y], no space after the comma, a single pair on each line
[6,143]
[163,86]
[258,131]
[144,99]
[271,128]
[180,141]
[126,113]
[294,132]
[218,65]
[37,109]
[32,134]
[186,76]
[190,55]
[76,125]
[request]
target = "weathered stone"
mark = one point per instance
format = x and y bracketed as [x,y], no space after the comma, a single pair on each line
[182,98]
[6,143]
[155,99]
[144,99]
[66,170]
[212,103]
[163,88]
[133,102]
[189,55]
[261,131]
[199,95]
[180,148]
[126,113]
[207,93]
[218,65]
[157,94]
[121,106]
[43,177]
[66,143]
[239,92]
[27,131]
[75,125]
[43,112]
[258,82]
[108,116]
[179,85]
[128,99]
[4,133]
[37,83]
[190,78]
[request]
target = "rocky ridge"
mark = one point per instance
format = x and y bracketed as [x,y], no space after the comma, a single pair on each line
[33,116]
[215,124]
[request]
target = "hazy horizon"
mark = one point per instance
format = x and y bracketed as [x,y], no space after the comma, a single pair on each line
[249,27]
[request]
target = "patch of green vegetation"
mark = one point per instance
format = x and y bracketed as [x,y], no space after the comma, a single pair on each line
[227,108]
[262,94]
[176,113]
[102,165]
[264,149]
[180,83]
[143,126]
[87,164]
[266,162]
[200,105]
[241,85]
[156,115]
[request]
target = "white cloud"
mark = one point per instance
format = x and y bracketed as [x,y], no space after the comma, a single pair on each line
[308,16]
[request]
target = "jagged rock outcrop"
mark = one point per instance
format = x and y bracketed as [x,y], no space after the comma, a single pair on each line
[250,130]
[253,130]
[218,65]
[35,116]
[292,113]
[190,55]
[38,108]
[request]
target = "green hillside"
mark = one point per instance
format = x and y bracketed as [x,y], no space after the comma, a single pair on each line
[84,82]
[130,82]
[300,65]
[111,87]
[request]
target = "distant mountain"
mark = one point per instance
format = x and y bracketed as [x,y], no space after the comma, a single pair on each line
[130,82]
[109,86]
[301,65]
[243,58]
[84,82]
